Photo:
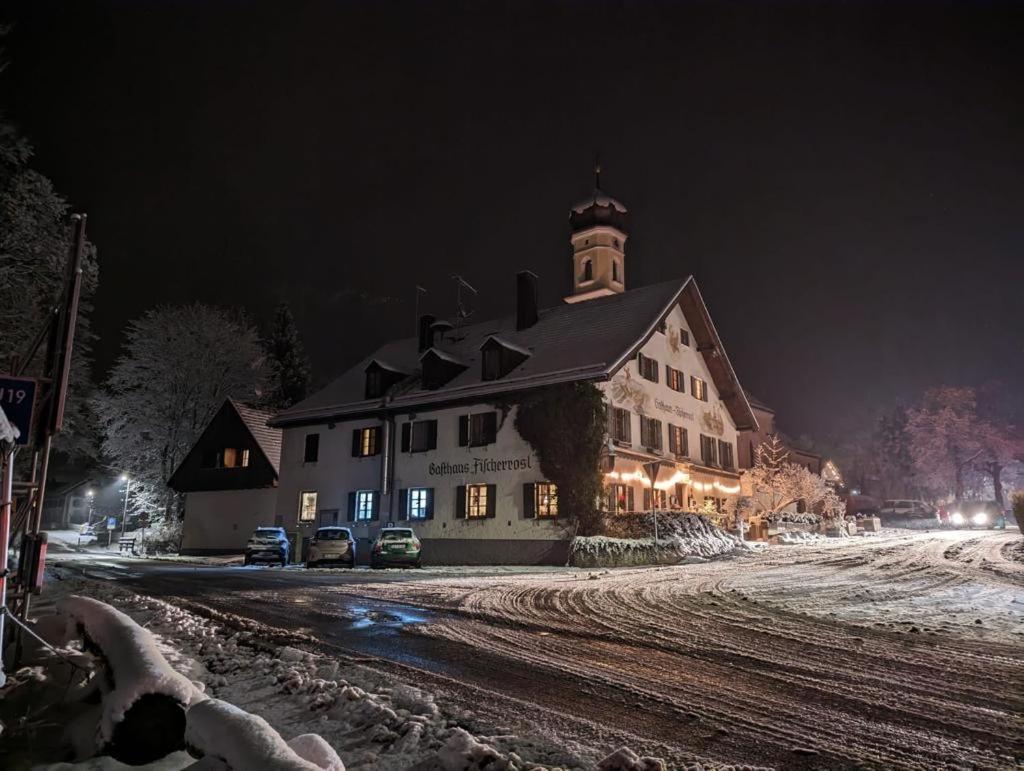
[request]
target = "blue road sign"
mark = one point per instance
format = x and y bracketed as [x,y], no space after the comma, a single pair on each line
[18,400]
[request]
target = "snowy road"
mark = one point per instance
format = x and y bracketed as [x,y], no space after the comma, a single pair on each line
[903,651]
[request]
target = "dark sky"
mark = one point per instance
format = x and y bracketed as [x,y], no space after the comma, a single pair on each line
[845,180]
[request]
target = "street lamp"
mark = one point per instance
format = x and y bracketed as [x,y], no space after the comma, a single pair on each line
[124,514]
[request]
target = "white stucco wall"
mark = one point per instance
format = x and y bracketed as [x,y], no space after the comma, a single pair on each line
[223,520]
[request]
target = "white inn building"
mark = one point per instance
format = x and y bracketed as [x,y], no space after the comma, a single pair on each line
[416,434]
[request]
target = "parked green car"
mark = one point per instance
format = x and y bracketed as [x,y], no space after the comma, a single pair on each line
[395,546]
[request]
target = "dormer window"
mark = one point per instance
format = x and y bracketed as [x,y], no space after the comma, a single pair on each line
[380,377]
[439,367]
[615,268]
[588,270]
[499,357]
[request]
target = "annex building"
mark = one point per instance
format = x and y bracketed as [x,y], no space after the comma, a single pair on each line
[415,432]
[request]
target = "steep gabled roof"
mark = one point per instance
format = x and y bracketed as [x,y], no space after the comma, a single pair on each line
[574,341]
[268,439]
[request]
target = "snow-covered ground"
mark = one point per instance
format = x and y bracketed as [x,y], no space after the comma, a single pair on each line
[370,719]
[905,650]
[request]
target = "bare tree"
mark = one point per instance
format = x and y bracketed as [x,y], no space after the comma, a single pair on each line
[945,437]
[776,484]
[180,364]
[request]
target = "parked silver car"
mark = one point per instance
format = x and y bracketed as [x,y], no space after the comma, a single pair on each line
[332,545]
[267,544]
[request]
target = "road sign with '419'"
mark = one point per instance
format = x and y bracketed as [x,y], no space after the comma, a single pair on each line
[18,400]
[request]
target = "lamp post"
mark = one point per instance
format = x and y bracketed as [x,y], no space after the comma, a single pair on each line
[124,514]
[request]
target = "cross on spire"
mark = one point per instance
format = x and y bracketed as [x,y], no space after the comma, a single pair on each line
[597,169]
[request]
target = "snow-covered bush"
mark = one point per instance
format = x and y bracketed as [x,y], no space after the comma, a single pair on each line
[680,536]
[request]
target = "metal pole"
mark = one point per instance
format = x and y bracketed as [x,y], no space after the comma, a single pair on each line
[124,514]
[6,504]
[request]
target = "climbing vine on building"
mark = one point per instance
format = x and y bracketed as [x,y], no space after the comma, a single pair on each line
[565,426]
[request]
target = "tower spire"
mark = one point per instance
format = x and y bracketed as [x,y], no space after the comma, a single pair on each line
[597,169]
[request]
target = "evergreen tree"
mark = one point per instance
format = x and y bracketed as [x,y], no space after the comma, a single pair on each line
[287,364]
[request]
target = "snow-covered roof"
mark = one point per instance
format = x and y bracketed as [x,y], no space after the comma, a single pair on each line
[507,344]
[570,342]
[599,198]
[269,439]
[444,355]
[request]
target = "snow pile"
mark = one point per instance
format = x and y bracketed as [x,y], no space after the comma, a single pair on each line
[131,654]
[680,537]
[624,759]
[220,730]
[798,537]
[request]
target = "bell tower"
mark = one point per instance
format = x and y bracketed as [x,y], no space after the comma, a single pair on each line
[598,238]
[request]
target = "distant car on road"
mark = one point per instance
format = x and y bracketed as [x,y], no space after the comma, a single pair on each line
[395,546]
[971,514]
[267,544]
[332,545]
[908,509]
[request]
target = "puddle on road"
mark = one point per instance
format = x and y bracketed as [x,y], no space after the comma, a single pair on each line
[391,619]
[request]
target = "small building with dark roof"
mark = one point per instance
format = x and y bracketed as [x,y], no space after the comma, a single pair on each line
[229,479]
[415,433]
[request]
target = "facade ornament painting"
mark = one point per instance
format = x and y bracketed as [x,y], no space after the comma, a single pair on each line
[713,421]
[626,390]
[673,339]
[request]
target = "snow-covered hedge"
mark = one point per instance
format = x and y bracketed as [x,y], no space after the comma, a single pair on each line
[680,536]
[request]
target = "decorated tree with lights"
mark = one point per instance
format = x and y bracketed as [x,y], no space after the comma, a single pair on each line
[775,484]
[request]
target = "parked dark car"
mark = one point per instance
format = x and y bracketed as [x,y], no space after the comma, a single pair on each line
[267,544]
[395,546]
[332,545]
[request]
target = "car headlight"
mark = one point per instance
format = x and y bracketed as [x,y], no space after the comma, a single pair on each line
[980,518]
[957,518]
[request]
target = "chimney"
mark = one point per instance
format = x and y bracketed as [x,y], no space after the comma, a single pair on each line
[526,299]
[426,333]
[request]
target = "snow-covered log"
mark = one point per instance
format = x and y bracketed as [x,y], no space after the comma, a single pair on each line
[144,699]
[243,741]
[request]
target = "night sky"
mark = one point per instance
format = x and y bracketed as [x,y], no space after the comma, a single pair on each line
[845,180]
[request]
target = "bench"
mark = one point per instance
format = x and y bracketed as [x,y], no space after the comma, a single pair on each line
[127,544]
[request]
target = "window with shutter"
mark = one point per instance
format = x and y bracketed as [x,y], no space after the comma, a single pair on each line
[419,502]
[476,501]
[482,428]
[725,454]
[419,436]
[621,429]
[545,500]
[366,441]
[312,448]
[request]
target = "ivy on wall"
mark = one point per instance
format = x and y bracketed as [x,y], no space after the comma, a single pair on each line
[565,426]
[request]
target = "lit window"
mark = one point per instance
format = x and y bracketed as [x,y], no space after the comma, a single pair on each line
[419,502]
[545,499]
[364,505]
[674,379]
[678,442]
[620,498]
[245,459]
[698,388]
[307,506]
[476,501]
[365,441]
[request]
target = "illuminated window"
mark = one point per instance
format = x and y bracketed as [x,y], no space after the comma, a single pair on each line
[476,501]
[545,497]
[365,505]
[674,379]
[678,440]
[419,502]
[698,388]
[307,506]
[619,498]
[365,441]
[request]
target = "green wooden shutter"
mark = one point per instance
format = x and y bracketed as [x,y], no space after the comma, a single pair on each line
[375,505]
[352,507]
[430,497]
[432,435]
[460,502]
[403,502]
[492,495]
[356,445]
[529,509]
[463,430]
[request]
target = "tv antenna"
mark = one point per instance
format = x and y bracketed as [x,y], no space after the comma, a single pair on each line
[461,312]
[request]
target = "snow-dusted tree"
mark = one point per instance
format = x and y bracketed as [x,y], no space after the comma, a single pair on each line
[287,364]
[180,364]
[35,237]
[775,484]
[945,438]
[999,434]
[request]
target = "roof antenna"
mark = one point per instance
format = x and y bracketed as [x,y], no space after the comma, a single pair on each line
[461,313]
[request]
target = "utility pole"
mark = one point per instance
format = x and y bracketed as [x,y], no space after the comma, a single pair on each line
[6,507]
[124,514]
